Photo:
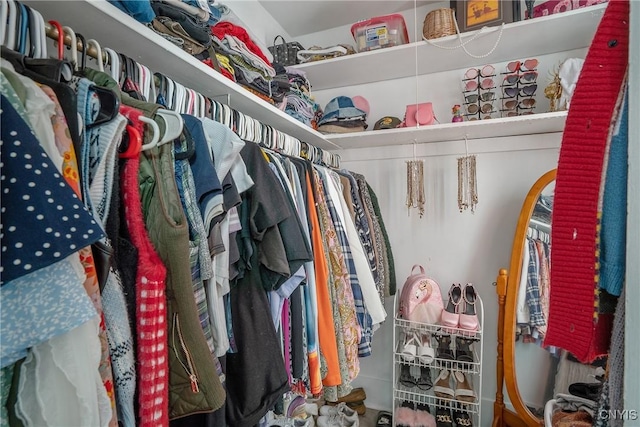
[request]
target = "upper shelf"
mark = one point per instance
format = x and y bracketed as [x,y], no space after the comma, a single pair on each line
[540,36]
[97,19]
[531,124]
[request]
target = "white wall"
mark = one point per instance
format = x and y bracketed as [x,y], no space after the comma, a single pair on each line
[453,247]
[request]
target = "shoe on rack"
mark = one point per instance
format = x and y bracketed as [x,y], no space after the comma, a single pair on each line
[405,417]
[424,417]
[406,379]
[443,417]
[462,419]
[468,316]
[408,346]
[464,391]
[424,382]
[450,316]
[424,351]
[464,353]
[442,386]
[444,350]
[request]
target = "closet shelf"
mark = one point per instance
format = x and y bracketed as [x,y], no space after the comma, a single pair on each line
[97,19]
[540,36]
[491,128]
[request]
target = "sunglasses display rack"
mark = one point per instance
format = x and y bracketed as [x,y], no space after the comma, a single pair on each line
[518,88]
[479,93]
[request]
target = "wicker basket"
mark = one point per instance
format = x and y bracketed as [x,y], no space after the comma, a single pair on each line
[439,23]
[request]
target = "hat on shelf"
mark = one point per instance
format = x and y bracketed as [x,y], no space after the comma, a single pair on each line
[387,122]
[341,108]
[361,103]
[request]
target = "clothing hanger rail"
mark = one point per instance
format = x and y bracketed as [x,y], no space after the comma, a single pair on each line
[252,128]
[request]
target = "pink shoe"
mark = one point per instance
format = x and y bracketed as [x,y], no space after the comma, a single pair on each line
[468,316]
[450,316]
[424,418]
[405,417]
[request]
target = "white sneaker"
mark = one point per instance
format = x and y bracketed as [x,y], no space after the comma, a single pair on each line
[340,408]
[337,420]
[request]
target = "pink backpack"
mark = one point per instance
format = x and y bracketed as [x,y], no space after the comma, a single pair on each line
[420,299]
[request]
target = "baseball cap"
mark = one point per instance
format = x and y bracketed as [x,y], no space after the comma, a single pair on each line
[387,122]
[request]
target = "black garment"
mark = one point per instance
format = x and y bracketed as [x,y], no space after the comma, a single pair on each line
[297,343]
[268,208]
[385,236]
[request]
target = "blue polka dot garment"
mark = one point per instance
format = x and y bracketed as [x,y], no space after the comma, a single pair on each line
[42,220]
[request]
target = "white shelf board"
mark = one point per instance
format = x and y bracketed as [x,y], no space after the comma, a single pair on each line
[492,128]
[540,36]
[97,19]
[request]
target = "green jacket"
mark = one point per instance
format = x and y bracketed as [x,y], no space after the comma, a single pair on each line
[194,385]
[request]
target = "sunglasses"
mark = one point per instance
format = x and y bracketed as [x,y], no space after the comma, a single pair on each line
[473,98]
[514,114]
[474,108]
[512,92]
[486,71]
[484,84]
[528,65]
[525,78]
[527,103]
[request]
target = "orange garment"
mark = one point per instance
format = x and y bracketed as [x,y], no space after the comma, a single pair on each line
[326,330]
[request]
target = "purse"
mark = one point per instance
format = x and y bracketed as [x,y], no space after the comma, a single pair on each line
[420,299]
[418,115]
[285,53]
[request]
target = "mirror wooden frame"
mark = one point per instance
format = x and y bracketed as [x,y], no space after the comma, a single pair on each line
[507,290]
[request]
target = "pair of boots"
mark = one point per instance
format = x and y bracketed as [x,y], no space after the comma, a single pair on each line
[408,415]
[354,400]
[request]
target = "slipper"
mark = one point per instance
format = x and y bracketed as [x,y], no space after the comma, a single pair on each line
[424,382]
[442,387]
[462,419]
[464,391]
[405,417]
[443,417]
[426,354]
[424,417]
[406,379]
[384,419]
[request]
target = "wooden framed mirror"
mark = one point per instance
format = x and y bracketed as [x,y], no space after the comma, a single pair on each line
[508,285]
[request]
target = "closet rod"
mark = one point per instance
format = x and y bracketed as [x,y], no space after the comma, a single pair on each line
[52,33]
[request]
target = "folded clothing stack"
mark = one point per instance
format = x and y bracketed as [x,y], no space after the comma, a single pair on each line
[316,53]
[251,68]
[182,24]
[298,102]
[342,115]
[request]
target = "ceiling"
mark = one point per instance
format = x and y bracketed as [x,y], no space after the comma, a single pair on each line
[300,17]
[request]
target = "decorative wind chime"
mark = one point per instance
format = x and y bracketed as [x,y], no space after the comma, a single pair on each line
[467,183]
[415,184]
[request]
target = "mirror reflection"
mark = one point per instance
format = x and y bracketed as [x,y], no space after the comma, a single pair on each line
[543,375]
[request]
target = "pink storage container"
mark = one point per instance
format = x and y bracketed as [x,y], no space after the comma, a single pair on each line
[380,32]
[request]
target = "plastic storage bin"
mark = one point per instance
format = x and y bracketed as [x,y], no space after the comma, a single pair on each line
[380,32]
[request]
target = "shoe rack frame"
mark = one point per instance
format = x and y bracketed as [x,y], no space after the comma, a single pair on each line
[471,369]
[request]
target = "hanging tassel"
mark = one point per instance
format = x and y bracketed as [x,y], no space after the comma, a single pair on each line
[467,184]
[415,184]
